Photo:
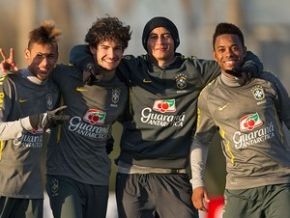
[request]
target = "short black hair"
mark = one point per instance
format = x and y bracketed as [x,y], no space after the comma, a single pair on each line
[46,33]
[108,28]
[227,28]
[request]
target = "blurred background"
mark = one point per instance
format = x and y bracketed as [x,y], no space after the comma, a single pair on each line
[265,24]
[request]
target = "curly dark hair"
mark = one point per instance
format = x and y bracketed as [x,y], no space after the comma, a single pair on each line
[47,33]
[227,28]
[108,28]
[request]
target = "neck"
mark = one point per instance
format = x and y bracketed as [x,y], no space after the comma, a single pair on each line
[105,74]
[163,63]
[234,81]
[30,76]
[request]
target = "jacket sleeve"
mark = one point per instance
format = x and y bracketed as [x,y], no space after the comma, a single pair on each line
[10,129]
[282,99]
[205,131]
[80,56]
[252,65]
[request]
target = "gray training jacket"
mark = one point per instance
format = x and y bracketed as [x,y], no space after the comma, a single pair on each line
[21,146]
[249,119]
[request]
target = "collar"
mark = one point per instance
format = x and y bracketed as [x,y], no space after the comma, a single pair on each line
[25,73]
[233,81]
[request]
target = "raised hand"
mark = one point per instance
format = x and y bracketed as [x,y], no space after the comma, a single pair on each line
[8,63]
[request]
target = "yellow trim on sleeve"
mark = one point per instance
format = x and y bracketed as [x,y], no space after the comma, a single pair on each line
[227,146]
[1,148]
[198,117]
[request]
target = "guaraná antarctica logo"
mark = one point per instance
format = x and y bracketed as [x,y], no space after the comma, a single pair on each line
[164,106]
[252,131]
[92,125]
[250,122]
[95,116]
[162,114]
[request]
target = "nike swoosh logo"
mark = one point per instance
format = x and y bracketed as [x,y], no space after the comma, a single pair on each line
[22,100]
[81,89]
[223,107]
[147,81]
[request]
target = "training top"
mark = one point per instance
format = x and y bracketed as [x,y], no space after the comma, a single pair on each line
[161,116]
[21,95]
[80,153]
[160,123]
[249,119]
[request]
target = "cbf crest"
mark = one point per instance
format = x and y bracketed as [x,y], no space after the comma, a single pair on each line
[49,101]
[181,81]
[116,95]
[258,93]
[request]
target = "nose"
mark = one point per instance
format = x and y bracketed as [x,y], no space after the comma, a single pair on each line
[160,40]
[110,53]
[44,61]
[229,52]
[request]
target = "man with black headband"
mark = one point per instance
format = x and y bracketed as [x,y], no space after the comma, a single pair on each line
[248,113]
[159,124]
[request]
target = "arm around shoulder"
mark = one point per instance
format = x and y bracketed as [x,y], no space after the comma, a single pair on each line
[80,56]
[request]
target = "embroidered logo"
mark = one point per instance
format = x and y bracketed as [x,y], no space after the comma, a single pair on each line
[21,100]
[164,106]
[81,89]
[147,81]
[54,187]
[258,93]
[116,95]
[95,116]
[181,81]
[220,108]
[250,122]
[49,101]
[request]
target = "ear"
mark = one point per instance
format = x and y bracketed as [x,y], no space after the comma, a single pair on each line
[245,51]
[27,54]
[214,55]
[93,50]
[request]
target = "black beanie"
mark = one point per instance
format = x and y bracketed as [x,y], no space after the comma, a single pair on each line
[160,22]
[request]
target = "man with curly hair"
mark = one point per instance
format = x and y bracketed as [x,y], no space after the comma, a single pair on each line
[78,166]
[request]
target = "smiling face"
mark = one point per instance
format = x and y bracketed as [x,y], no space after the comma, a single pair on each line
[160,46]
[229,51]
[108,54]
[41,59]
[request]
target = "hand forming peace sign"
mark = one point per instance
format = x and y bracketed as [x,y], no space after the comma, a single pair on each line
[7,64]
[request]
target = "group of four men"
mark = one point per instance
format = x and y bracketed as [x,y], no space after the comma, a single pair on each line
[154,96]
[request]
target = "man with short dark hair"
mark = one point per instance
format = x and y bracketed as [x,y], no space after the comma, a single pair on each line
[26,100]
[248,113]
